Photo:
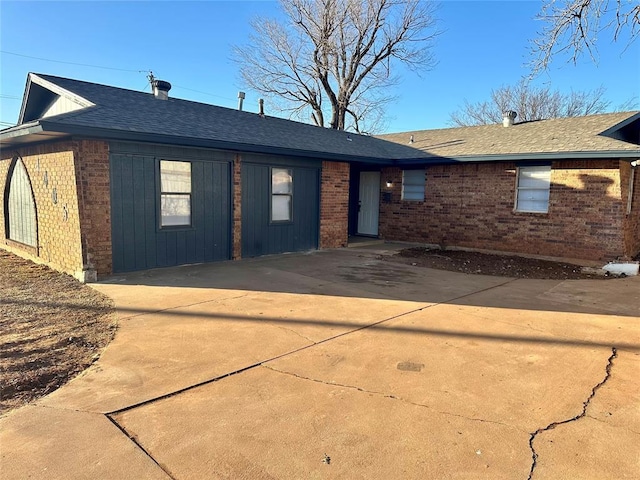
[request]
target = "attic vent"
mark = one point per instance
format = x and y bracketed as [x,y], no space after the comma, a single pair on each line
[161,89]
[508,117]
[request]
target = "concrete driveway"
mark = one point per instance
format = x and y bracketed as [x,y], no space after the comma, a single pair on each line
[338,364]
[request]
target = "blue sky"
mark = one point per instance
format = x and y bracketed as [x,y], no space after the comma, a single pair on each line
[484,44]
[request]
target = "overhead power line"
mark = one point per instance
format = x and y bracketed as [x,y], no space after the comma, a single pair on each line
[72,63]
[205,93]
[104,68]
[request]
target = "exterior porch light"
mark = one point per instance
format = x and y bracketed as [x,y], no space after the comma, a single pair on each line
[389,184]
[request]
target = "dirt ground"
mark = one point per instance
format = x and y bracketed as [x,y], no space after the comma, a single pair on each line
[51,328]
[489,264]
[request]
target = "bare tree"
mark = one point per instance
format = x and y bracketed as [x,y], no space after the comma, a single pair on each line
[334,59]
[530,103]
[573,27]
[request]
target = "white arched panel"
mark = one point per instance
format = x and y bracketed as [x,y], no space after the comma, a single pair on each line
[21,207]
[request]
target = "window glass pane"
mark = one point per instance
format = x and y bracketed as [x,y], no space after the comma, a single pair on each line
[176,210]
[175,177]
[413,185]
[280,208]
[533,189]
[281,180]
[534,177]
[528,205]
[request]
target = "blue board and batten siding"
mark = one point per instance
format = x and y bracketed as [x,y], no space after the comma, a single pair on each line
[138,242]
[260,236]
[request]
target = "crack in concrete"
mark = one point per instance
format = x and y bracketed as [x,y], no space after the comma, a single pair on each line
[387,395]
[134,440]
[313,342]
[585,405]
[177,307]
[297,350]
[622,427]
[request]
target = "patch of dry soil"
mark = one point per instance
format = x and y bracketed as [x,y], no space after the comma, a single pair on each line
[490,264]
[51,328]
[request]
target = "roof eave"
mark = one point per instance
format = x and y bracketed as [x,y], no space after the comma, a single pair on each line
[34,133]
[514,157]
[20,130]
[25,97]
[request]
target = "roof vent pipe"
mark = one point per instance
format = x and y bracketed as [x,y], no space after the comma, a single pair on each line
[161,89]
[240,100]
[261,109]
[508,117]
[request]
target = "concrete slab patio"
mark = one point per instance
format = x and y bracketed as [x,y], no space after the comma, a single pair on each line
[338,364]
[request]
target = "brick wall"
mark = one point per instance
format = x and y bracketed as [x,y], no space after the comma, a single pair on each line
[52,174]
[632,219]
[92,182]
[472,205]
[70,182]
[334,205]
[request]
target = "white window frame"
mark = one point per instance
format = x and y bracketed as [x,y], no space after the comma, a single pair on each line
[532,188]
[279,194]
[413,185]
[184,193]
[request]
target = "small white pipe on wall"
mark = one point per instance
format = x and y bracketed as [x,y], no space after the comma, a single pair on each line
[632,177]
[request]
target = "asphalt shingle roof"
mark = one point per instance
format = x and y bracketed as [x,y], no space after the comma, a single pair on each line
[122,110]
[561,135]
[132,115]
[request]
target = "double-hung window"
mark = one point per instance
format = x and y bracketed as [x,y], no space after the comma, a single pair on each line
[175,194]
[533,189]
[413,185]
[281,195]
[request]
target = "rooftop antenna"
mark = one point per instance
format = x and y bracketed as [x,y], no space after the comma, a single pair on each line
[151,77]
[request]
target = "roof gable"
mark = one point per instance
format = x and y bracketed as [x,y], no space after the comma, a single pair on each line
[628,130]
[43,99]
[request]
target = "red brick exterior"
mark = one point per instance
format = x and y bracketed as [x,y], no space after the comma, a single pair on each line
[74,233]
[466,205]
[334,205]
[92,180]
[472,206]
[70,183]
